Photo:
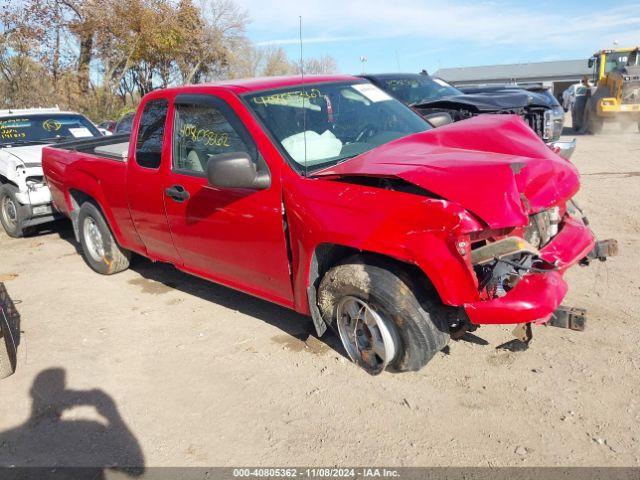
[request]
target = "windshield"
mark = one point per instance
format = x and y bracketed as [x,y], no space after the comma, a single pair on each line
[417,89]
[617,61]
[41,129]
[320,125]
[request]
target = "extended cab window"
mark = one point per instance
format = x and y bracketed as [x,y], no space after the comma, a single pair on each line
[150,133]
[202,132]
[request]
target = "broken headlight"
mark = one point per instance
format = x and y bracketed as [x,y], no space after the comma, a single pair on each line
[34,183]
[542,227]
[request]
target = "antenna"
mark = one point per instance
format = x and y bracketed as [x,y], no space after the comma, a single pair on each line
[304,110]
[363,60]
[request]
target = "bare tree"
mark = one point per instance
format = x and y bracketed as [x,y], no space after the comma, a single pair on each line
[101,56]
[319,66]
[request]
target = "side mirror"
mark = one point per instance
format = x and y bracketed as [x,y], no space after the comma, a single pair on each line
[236,170]
[439,119]
[9,333]
[591,61]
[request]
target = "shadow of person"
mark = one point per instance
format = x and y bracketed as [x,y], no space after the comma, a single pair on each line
[51,441]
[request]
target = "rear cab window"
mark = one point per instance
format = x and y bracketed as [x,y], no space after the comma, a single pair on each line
[151,133]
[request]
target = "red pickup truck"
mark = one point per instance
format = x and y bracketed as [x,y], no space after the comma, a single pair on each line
[327,196]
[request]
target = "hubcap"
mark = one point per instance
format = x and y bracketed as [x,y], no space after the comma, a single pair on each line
[93,239]
[370,340]
[9,212]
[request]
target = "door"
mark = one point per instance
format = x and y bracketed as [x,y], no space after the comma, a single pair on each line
[234,236]
[144,181]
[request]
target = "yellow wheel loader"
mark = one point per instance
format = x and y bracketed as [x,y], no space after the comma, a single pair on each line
[614,93]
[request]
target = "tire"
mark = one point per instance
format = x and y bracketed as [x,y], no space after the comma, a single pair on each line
[418,318]
[593,122]
[9,334]
[577,114]
[12,213]
[99,249]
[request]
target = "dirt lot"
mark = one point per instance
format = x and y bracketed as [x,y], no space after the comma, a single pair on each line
[165,369]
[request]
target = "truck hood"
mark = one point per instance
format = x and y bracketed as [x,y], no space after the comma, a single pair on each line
[492,165]
[30,156]
[488,101]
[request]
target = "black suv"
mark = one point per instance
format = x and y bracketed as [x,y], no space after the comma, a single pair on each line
[430,96]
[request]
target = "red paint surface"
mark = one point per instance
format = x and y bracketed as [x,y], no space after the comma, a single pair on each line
[487,172]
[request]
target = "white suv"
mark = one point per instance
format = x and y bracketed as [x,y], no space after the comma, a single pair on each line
[24,198]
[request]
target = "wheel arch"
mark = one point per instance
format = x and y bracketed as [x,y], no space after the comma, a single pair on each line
[78,197]
[327,255]
[6,181]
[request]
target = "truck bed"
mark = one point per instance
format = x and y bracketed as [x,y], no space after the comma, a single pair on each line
[114,147]
[93,167]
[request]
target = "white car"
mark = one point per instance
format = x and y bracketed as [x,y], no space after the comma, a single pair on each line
[25,200]
[570,94]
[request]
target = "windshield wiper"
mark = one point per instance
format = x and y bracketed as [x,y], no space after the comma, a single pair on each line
[24,142]
[348,157]
[40,141]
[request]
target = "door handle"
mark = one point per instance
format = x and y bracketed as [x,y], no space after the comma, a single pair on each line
[177,193]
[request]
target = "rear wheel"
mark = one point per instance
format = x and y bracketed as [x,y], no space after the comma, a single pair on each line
[99,248]
[12,213]
[383,321]
[593,123]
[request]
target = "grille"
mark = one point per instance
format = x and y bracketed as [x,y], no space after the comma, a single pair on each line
[631,92]
[535,120]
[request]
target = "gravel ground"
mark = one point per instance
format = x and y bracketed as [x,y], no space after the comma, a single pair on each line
[154,367]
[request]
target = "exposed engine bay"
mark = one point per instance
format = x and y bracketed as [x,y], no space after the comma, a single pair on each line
[534,116]
[499,274]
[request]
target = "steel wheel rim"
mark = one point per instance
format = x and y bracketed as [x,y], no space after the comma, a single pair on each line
[93,239]
[370,340]
[9,212]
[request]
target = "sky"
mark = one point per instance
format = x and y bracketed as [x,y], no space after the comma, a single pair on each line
[409,35]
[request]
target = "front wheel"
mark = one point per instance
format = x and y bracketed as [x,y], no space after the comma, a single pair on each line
[384,323]
[593,123]
[13,214]
[99,249]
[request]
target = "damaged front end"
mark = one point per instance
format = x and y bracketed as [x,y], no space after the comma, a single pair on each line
[508,268]
[520,278]
[500,265]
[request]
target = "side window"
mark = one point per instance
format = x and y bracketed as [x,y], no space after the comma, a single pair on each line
[203,131]
[150,133]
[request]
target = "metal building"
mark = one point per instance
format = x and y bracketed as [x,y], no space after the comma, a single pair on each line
[558,74]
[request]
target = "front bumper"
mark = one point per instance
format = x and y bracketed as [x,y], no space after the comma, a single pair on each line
[40,214]
[35,207]
[537,295]
[563,148]
[37,196]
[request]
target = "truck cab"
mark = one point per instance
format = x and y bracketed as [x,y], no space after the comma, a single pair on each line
[24,198]
[328,196]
